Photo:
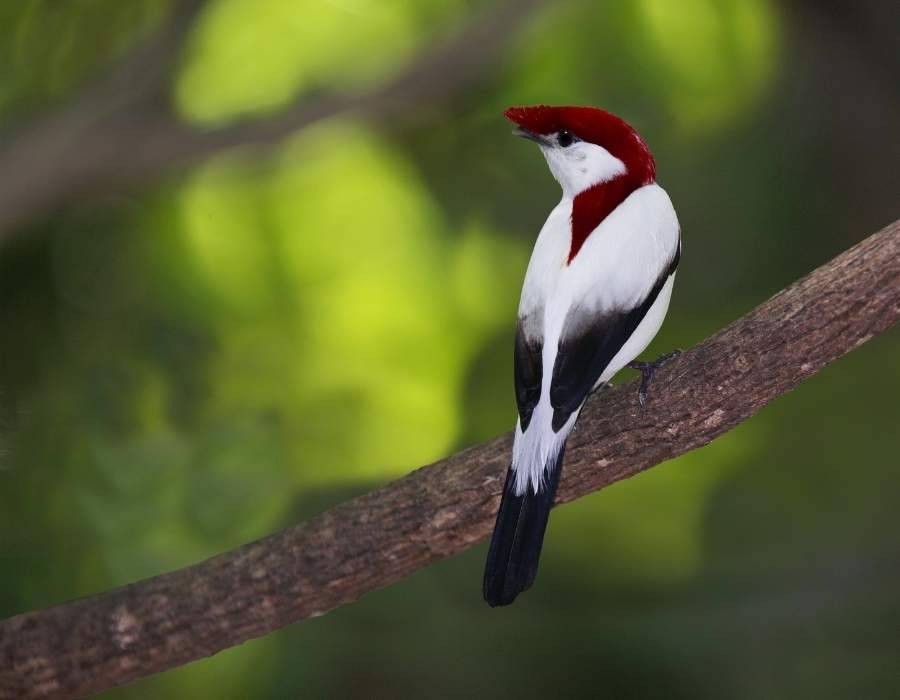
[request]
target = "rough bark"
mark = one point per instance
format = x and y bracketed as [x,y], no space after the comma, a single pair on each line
[106,640]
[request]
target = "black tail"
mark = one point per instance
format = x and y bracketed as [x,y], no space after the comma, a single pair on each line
[515,549]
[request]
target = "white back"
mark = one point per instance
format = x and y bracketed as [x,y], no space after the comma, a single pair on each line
[616,268]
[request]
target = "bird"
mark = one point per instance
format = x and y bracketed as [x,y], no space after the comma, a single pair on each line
[596,291]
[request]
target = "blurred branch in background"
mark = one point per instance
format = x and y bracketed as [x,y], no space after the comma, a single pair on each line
[96,643]
[124,128]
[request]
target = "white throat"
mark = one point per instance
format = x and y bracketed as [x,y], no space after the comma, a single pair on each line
[581,165]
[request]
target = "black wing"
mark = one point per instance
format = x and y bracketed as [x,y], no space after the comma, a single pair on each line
[528,370]
[588,344]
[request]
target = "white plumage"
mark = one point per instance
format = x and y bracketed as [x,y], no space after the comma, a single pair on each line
[616,268]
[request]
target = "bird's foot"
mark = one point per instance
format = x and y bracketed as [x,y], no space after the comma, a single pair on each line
[648,369]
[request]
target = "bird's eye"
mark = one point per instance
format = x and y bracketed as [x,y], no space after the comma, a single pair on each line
[566,138]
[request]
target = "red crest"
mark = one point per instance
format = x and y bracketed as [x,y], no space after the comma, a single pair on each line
[602,128]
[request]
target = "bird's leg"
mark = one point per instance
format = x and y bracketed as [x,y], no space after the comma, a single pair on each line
[648,369]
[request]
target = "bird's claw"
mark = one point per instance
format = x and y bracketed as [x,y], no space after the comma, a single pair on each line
[648,369]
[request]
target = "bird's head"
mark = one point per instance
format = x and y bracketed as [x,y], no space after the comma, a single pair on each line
[585,146]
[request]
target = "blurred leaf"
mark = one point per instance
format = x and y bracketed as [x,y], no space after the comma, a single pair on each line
[703,61]
[48,47]
[712,58]
[362,316]
[256,55]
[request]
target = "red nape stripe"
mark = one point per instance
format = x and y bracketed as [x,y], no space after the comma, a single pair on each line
[594,204]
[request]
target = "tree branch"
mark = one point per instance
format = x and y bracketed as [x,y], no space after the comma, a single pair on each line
[124,130]
[96,643]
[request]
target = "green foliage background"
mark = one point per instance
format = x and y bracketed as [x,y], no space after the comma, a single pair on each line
[194,363]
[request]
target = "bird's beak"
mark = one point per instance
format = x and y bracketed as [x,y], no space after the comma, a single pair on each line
[531,136]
